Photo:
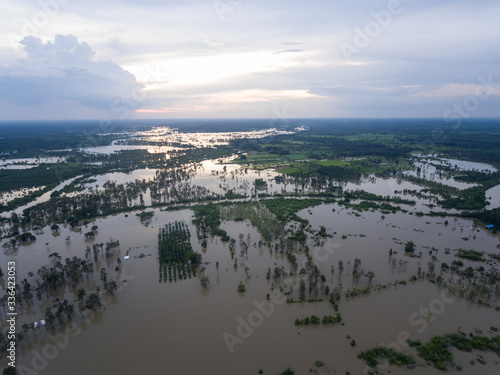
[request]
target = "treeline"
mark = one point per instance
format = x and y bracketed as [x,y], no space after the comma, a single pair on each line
[332,171]
[477,140]
[486,216]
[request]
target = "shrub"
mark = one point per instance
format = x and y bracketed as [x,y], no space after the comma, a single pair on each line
[241,288]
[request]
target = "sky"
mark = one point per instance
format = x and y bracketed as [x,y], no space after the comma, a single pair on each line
[127,59]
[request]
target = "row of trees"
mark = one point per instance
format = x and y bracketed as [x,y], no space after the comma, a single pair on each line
[176,257]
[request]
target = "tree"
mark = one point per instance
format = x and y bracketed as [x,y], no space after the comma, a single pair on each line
[357,263]
[341,267]
[410,247]
[93,301]
[1,273]
[110,287]
[370,275]
[302,290]
[9,371]
[104,275]
[49,317]
[241,288]
[205,281]
[431,267]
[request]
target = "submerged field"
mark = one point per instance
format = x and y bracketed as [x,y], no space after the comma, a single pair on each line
[308,258]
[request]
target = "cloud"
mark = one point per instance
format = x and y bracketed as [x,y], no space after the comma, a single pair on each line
[289,51]
[458,90]
[64,70]
[261,55]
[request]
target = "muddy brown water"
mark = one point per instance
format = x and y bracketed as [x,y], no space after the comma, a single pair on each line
[178,328]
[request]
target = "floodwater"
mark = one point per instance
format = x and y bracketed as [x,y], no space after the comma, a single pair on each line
[110,149]
[13,194]
[178,328]
[431,169]
[27,163]
[153,327]
[493,197]
[42,198]
[159,139]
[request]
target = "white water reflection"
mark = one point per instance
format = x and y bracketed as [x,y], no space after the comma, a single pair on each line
[442,170]
[27,163]
[493,197]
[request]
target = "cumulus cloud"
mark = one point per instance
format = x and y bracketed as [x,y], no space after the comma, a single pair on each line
[64,70]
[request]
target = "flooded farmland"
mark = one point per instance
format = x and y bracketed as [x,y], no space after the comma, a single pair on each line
[179,327]
[336,245]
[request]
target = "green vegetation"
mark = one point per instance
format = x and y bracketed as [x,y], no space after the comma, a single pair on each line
[319,363]
[410,247]
[207,220]
[437,352]
[361,194]
[286,209]
[311,161]
[146,217]
[313,319]
[369,206]
[372,356]
[346,172]
[473,255]
[175,254]
[258,214]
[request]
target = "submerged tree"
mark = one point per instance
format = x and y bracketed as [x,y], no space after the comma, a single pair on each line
[205,281]
[302,290]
